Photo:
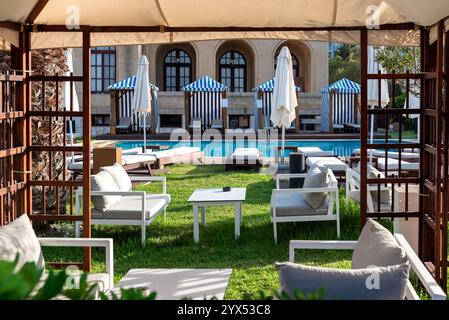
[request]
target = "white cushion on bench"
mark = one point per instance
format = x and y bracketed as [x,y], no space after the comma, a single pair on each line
[315,152]
[103,181]
[332,163]
[245,154]
[120,177]
[393,164]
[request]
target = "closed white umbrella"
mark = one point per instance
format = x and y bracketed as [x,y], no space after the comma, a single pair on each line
[373,90]
[142,95]
[414,102]
[284,99]
[69,100]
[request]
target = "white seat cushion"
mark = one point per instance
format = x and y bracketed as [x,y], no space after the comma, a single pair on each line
[130,208]
[332,163]
[290,204]
[103,181]
[18,238]
[120,177]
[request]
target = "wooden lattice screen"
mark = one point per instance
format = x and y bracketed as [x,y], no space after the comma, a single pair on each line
[21,116]
[432,178]
[12,148]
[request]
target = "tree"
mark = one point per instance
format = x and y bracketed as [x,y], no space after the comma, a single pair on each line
[401,60]
[345,64]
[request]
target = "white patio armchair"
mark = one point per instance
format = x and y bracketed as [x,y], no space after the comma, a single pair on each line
[416,265]
[289,205]
[133,208]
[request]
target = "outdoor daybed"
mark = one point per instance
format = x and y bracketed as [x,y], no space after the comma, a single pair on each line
[337,166]
[315,152]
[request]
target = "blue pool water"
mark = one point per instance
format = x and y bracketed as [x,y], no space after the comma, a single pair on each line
[342,148]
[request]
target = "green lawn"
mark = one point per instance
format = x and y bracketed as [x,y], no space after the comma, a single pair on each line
[170,244]
[408,134]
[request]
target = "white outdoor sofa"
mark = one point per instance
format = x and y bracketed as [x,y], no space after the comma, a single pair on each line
[18,238]
[134,208]
[289,205]
[416,265]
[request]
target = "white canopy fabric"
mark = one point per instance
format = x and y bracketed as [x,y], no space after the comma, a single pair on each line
[216,14]
[142,93]
[284,99]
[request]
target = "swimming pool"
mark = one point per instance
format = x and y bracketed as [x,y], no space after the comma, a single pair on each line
[342,148]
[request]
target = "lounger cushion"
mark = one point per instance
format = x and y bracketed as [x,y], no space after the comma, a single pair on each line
[384,283]
[103,181]
[393,164]
[245,154]
[18,238]
[128,159]
[316,178]
[332,163]
[130,208]
[315,152]
[120,177]
[294,204]
[376,246]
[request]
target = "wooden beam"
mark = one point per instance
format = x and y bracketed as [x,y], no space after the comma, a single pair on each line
[157,29]
[87,252]
[40,5]
[112,103]
[186,110]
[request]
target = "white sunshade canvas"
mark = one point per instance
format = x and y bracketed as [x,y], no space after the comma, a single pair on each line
[216,14]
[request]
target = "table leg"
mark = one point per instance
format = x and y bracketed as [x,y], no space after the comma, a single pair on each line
[237,213]
[203,216]
[196,227]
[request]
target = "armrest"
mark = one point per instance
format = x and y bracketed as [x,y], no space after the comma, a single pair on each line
[118,193]
[148,180]
[83,243]
[420,270]
[305,190]
[286,176]
[319,245]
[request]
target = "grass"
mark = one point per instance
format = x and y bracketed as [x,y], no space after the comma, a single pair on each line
[252,257]
[407,134]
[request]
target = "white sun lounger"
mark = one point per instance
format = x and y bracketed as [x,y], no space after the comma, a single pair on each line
[391,154]
[315,152]
[393,165]
[243,157]
[177,155]
[332,163]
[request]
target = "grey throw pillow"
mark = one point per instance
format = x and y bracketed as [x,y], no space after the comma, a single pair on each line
[120,177]
[316,178]
[103,181]
[376,246]
[18,238]
[384,283]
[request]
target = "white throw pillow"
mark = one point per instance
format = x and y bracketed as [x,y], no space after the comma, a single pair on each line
[120,176]
[385,197]
[316,178]
[18,238]
[103,181]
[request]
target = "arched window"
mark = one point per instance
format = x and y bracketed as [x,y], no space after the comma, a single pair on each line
[177,70]
[296,71]
[232,71]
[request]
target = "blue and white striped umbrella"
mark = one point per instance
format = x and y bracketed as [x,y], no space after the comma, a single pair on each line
[129,84]
[343,86]
[268,86]
[205,84]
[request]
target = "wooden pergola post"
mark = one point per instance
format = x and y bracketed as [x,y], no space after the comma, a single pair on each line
[113,103]
[297,119]
[153,113]
[356,106]
[224,113]
[260,111]
[363,127]
[87,252]
[186,110]
[331,111]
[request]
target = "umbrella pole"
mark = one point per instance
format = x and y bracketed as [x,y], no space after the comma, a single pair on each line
[283,145]
[144,134]
[371,139]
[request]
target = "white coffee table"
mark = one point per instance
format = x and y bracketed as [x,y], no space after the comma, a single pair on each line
[203,198]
